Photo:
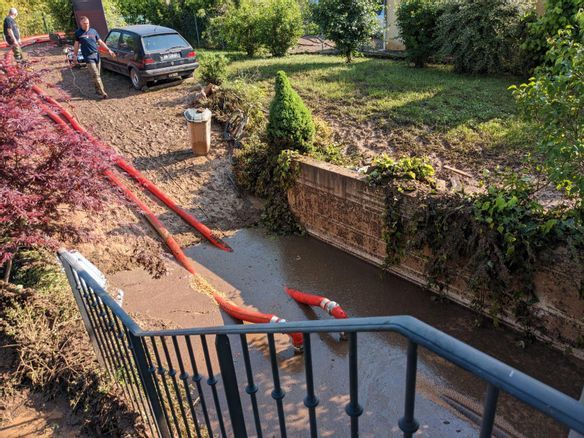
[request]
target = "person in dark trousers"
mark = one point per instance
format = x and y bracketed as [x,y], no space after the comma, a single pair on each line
[12,35]
[89,41]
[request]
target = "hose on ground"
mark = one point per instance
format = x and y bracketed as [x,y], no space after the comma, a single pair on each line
[249,315]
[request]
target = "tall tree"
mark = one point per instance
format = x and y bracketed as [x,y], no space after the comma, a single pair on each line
[349,23]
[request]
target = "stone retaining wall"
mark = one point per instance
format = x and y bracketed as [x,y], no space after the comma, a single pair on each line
[337,206]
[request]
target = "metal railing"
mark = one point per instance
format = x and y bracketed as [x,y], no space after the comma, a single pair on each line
[160,371]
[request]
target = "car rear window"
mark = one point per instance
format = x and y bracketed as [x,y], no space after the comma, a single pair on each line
[155,43]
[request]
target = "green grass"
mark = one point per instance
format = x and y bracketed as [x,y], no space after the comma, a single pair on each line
[462,111]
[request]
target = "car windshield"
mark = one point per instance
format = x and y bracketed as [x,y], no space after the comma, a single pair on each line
[158,43]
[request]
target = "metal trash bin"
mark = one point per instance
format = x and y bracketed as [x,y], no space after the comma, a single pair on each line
[199,126]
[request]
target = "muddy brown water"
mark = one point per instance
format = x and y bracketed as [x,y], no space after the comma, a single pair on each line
[448,399]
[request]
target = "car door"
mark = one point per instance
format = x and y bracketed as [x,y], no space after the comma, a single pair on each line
[128,51]
[112,41]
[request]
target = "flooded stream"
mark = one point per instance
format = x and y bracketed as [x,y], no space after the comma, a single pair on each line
[448,399]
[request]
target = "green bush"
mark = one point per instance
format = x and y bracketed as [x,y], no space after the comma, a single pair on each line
[558,15]
[281,25]
[290,123]
[349,23]
[554,100]
[241,27]
[190,18]
[213,68]
[240,97]
[417,20]
[384,169]
[482,36]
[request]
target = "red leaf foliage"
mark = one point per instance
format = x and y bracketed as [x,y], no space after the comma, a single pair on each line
[46,174]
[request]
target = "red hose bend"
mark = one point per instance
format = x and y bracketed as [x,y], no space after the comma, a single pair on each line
[330,307]
[249,315]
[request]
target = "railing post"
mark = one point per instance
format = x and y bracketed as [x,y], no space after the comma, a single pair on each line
[572,433]
[76,289]
[408,423]
[353,408]
[230,384]
[146,378]
[489,411]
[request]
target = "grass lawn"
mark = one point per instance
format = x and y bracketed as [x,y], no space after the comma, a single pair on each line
[469,121]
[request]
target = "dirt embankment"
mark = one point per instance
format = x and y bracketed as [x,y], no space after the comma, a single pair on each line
[149,130]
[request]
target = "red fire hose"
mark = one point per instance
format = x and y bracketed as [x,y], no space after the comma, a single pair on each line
[330,307]
[156,224]
[255,317]
[132,171]
[124,165]
[154,221]
[28,41]
[227,306]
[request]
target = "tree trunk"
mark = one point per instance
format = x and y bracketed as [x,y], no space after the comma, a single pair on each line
[7,269]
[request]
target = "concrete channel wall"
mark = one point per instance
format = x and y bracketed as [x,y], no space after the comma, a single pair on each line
[337,206]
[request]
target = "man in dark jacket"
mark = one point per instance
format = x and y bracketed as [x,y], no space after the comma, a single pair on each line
[89,41]
[11,33]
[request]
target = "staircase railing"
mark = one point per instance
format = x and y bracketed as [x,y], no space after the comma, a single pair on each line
[160,371]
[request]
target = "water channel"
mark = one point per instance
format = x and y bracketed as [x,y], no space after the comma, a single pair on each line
[449,400]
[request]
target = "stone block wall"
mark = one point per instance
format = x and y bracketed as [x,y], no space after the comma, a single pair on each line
[337,206]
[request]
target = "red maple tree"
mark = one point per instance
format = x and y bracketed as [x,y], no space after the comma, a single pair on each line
[46,174]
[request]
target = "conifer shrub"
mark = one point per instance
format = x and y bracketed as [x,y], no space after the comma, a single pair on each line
[290,123]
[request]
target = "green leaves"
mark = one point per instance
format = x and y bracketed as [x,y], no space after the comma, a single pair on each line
[417,21]
[349,23]
[558,15]
[520,223]
[255,24]
[554,99]
[481,36]
[384,169]
[290,123]
[213,68]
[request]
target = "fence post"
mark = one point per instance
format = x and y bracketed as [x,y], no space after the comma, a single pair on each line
[76,289]
[230,384]
[146,378]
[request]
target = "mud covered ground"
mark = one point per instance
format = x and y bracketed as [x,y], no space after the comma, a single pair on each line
[149,130]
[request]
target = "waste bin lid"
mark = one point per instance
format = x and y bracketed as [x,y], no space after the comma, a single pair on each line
[197,114]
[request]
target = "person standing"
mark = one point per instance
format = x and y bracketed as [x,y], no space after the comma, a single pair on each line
[12,35]
[89,41]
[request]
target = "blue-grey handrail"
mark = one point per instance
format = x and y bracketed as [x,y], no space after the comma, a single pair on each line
[527,389]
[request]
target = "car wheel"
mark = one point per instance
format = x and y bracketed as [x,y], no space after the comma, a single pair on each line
[136,79]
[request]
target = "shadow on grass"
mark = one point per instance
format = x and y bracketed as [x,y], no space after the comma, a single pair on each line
[391,90]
